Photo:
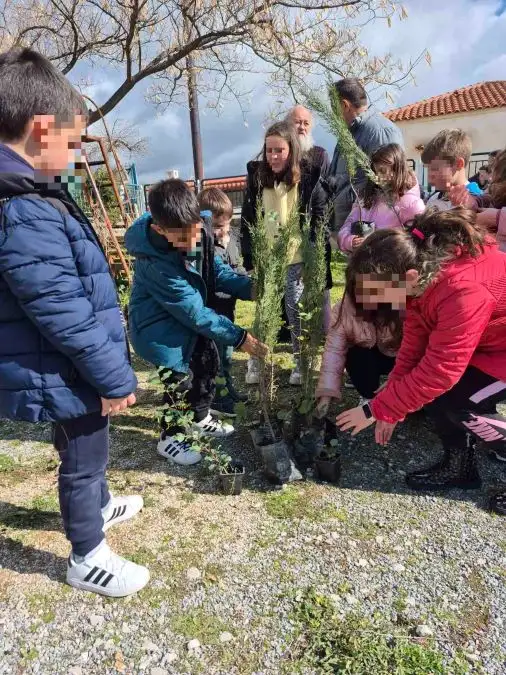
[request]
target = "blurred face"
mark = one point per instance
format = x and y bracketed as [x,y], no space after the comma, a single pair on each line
[221,227]
[442,173]
[384,173]
[277,151]
[373,290]
[186,240]
[302,120]
[350,113]
[56,146]
[483,176]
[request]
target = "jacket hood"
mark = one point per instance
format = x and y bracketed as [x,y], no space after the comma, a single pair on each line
[16,175]
[142,240]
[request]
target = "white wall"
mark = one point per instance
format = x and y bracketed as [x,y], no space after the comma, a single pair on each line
[487,129]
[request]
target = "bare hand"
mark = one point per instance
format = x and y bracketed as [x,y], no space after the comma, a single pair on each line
[487,218]
[112,406]
[355,420]
[356,241]
[459,196]
[383,431]
[254,347]
[322,407]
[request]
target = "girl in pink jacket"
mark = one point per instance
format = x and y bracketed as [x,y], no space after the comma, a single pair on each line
[390,203]
[362,340]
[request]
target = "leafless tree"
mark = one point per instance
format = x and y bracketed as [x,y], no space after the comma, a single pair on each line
[288,41]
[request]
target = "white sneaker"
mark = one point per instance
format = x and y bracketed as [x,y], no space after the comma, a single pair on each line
[177,452]
[106,573]
[252,374]
[210,426]
[120,509]
[295,377]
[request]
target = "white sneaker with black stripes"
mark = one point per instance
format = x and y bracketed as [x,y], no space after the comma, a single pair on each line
[211,426]
[105,573]
[120,509]
[177,452]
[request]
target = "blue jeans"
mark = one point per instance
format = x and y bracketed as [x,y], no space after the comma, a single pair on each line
[83,446]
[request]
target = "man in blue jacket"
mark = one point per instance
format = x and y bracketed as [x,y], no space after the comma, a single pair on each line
[63,352]
[171,324]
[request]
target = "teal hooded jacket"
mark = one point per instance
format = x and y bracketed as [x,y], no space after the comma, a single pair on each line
[168,308]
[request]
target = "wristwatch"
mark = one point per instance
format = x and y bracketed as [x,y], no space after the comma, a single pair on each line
[367,411]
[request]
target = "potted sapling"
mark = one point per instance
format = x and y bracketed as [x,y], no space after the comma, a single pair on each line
[327,463]
[270,257]
[230,471]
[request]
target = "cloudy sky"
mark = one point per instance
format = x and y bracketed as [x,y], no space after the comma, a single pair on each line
[466,42]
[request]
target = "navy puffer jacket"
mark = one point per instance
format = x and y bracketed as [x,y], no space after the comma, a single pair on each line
[62,339]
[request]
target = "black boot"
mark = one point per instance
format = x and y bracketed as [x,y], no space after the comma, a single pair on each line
[457,469]
[497,503]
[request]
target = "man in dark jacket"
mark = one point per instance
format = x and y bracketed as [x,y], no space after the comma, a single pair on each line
[63,351]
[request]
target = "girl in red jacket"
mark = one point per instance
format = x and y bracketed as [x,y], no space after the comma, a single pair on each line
[451,278]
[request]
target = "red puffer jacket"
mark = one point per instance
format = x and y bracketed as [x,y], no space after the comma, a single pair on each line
[459,321]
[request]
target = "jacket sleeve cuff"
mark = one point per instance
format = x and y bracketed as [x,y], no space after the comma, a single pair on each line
[241,340]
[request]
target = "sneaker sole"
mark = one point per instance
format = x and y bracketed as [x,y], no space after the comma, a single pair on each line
[83,586]
[171,460]
[121,519]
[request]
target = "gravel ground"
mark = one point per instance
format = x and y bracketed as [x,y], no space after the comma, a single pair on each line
[234,577]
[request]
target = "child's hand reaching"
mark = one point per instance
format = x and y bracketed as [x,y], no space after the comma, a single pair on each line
[459,196]
[112,406]
[254,347]
[488,219]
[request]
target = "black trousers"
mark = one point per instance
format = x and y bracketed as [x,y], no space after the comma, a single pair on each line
[365,367]
[470,407]
[196,387]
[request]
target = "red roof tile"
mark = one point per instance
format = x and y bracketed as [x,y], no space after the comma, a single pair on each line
[480,96]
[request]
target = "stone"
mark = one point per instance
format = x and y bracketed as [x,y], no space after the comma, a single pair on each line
[75,670]
[149,646]
[170,657]
[226,637]
[193,574]
[193,645]
[84,657]
[379,539]
[410,602]
[334,535]
[158,671]
[397,567]
[97,620]
[362,562]
[350,599]
[424,631]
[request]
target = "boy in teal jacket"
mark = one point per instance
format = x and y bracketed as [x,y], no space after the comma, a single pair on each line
[170,323]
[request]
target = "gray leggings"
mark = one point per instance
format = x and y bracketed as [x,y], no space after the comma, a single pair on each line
[293,293]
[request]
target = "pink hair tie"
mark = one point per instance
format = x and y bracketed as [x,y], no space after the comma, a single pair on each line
[416,232]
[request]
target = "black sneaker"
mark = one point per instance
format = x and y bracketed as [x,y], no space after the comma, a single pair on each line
[457,469]
[223,406]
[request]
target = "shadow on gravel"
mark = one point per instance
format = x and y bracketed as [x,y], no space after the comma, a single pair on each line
[22,559]
[23,518]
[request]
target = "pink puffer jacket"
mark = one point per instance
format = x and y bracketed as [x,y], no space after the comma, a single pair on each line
[345,332]
[382,215]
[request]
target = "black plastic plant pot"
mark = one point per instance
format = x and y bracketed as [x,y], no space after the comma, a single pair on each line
[231,481]
[328,469]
